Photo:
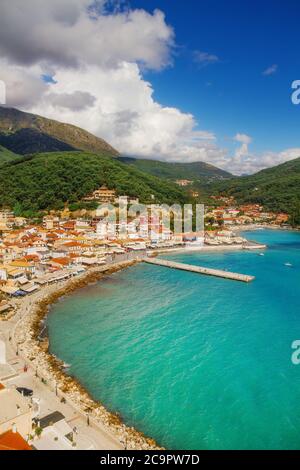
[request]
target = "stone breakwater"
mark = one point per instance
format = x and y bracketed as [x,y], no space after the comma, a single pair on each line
[50,369]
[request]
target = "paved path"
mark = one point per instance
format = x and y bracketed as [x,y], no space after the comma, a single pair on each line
[200,270]
[88,437]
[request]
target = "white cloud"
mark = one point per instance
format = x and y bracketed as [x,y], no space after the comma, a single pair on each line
[96,59]
[204,58]
[246,162]
[124,112]
[270,70]
[68,33]
[76,101]
[243,150]
[23,85]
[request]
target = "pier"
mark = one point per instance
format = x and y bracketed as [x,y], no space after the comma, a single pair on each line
[200,270]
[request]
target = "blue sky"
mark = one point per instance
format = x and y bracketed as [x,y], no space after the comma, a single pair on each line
[193,80]
[232,95]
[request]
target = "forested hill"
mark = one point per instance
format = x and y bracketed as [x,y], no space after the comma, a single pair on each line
[277,188]
[175,171]
[7,156]
[29,133]
[49,180]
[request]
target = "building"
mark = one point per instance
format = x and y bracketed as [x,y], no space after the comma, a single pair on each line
[103,195]
[183,183]
[15,412]
[12,440]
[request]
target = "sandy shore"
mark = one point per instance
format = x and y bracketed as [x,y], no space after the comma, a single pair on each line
[30,312]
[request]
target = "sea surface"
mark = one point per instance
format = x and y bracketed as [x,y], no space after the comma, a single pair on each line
[195,362]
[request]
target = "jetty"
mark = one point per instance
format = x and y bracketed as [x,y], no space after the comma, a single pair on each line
[200,269]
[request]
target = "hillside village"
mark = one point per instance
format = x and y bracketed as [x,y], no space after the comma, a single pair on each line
[63,246]
[66,245]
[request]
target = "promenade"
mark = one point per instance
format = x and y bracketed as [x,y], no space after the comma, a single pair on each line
[200,270]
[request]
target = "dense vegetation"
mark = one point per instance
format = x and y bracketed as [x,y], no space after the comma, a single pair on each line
[27,141]
[277,188]
[7,156]
[61,136]
[176,171]
[47,181]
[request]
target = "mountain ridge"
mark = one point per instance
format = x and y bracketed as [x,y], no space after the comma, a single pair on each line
[12,121]
[177,170]
[276,188]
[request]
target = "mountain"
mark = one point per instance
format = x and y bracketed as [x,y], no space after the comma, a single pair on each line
[175,171]
[49,180]
[276,188]
[29,133]
[27,141]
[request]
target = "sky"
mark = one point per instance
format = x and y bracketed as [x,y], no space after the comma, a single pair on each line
[206,80]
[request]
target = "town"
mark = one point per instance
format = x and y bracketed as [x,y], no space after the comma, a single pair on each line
[65,246]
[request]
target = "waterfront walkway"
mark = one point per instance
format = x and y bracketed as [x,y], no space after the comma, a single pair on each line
[200,270]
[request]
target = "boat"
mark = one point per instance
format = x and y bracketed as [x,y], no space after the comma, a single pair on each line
[288,264]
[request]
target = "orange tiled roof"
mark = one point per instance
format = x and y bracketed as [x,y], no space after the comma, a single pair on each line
[2,386]
[62,261]
[13,441]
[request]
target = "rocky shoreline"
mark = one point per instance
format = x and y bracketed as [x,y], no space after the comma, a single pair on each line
[51,370]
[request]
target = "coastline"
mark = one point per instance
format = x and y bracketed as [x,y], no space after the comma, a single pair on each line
[31,311]
[50,369]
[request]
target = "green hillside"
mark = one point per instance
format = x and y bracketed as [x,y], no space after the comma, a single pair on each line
[47,181]
[277,188]
[28,141]
[175,171]
[7,156]
[30,133]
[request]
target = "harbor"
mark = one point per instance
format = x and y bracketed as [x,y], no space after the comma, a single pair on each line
[200,270]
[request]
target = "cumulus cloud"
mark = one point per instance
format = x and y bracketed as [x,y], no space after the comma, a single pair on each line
[270,70]
[244,140]
[96,56]
[74,33]
[246,162]
[124,112]
[23,86]
[76,101]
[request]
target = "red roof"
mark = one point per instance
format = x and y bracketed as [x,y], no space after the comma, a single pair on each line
[13,441]
[62,261]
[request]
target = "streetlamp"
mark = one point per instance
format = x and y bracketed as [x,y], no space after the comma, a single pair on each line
[124,443]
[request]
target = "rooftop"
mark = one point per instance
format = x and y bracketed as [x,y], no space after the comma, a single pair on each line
[13,441]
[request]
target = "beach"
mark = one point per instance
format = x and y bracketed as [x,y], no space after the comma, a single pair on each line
[24,339]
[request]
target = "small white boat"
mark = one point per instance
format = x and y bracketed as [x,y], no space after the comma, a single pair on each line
[288,264]
[261,254]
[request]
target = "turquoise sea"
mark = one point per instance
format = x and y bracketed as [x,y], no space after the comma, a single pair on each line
[195,362]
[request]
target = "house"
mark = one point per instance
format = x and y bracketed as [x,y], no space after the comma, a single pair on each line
[183,183]
[60,263]
[23,265]
[12,440]
[56,433]
[103,195]
[15,412]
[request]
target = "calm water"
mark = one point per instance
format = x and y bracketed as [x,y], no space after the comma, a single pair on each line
[193,361]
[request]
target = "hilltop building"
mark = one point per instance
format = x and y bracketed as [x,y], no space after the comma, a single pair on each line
[102,195]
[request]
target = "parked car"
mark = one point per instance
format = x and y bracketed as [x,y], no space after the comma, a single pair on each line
[26,392]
